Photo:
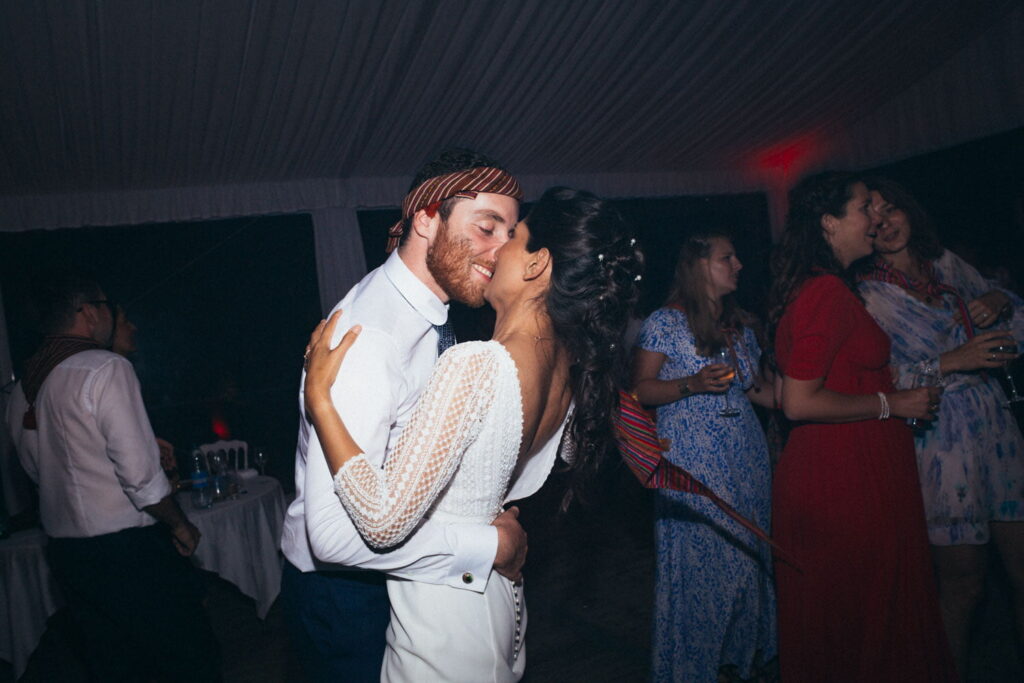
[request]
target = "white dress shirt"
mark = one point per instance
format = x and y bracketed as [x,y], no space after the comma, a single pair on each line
[376,389]
[93,455]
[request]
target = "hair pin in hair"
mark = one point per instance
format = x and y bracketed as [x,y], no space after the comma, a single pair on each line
[600,257]
[632,241]
[611,347]
[638,278]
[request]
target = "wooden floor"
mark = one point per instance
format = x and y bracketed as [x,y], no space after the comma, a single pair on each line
[588,586]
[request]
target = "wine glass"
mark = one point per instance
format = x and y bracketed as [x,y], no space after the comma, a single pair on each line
[218,470]
[725,358]
[922,378]
[260,460]
[1009,346]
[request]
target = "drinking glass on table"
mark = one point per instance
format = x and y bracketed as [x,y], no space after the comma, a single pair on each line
[218,474]
[231,477]
[725,358]
[260,460]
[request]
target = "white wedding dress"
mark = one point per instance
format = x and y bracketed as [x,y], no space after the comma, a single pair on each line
[453,463]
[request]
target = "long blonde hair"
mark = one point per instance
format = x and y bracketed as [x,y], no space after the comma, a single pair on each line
[690,293]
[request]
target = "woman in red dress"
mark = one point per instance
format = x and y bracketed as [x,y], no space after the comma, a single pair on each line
[861,603]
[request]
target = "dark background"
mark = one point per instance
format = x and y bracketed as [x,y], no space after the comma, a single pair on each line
[974,194]
[224,307]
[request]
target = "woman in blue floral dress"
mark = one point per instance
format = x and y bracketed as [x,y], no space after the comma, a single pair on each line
[714,601]
[945,319]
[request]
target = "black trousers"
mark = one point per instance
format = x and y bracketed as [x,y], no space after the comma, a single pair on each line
[337,622]
[137,606]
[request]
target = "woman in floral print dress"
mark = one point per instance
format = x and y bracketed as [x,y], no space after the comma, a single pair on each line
[971,460]
[714,602]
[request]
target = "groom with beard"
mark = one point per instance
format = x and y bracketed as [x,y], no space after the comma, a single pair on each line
[457,214]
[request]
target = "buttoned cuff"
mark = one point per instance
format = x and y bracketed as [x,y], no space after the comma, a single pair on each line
[474,547]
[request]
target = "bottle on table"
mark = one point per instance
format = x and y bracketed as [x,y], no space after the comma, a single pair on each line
[202,495]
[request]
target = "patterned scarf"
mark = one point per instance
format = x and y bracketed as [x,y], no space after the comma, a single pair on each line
[637,438]
[55,349]
[928,286]
[431,192]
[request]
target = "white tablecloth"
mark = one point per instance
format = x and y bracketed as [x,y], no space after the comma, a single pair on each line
[28,596]
[240,539]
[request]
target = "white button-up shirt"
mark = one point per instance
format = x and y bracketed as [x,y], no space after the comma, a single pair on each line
[93,455]
[375,393]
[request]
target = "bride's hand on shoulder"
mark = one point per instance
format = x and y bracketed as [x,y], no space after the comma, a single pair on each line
[322,362]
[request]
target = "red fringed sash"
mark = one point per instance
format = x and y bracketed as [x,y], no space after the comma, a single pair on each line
[639,445]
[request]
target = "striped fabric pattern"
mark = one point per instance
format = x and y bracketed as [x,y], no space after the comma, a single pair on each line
[462,183]
[639,445]
[55,349]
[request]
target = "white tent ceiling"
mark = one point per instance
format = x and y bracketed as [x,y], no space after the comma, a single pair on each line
[120,111]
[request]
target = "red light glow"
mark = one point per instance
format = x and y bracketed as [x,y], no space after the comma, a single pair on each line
[790,156]
[220,427]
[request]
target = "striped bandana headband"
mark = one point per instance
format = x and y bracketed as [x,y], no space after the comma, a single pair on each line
[466,184]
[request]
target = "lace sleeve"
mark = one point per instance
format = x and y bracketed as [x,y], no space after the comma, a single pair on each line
[387,504]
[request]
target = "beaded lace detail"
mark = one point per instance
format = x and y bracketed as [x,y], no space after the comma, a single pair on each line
[455,456]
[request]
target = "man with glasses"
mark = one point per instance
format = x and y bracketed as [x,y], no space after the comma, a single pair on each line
[82,434]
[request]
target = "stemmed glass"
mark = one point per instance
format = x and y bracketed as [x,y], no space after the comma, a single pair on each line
[925,377]
[218,472]
[260,460]
[1009,346]
[725,358]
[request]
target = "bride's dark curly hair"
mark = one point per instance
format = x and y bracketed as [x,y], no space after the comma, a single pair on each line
[595,278]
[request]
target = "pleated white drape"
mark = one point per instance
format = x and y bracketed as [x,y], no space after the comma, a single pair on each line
[121,112]
[340,262]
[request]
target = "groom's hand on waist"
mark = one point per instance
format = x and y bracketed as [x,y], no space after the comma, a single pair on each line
[511,545]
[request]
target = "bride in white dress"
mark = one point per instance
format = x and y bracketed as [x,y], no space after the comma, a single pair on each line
[562,289]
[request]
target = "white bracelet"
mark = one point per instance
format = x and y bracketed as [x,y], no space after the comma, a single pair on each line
[884,414]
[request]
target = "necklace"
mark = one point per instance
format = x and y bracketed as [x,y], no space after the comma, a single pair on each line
[928,287]
[535,337]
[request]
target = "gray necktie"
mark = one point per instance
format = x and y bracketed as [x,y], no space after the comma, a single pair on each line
[445,336]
